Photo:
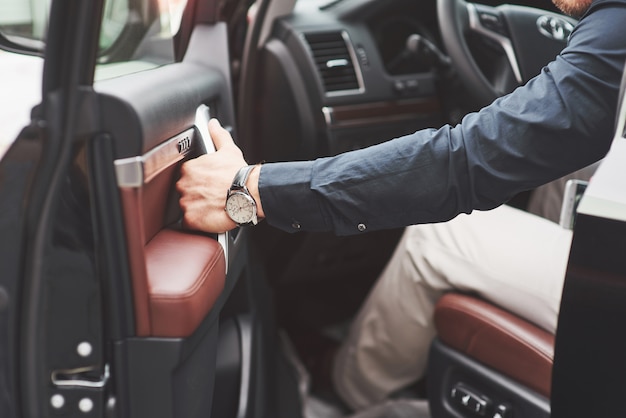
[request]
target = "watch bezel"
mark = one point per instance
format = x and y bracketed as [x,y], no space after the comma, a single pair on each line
[252,220]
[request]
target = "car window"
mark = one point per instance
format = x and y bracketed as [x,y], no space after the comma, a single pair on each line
[20,85]
[137,35]
[25,22]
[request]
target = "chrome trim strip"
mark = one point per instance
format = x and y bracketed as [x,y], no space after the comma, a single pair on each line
[129,172]
[245,330]
[206,145]
[201,123]
[341,62]
[168,153]
[328,115]
[63,378]
[621,120]
[136,171]
[504,42]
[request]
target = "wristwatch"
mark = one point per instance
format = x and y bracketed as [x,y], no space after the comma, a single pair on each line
[240,205]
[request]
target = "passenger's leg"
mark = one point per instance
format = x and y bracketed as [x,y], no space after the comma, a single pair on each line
[515,259]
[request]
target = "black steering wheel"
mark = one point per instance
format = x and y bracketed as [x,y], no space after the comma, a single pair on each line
[524,38]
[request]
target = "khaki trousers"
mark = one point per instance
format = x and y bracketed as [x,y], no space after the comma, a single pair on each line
[512,258]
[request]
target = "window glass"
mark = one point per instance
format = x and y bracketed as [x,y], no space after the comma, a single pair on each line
[20,85]
[25,22]
[137,35]
[134,35]
[114,18]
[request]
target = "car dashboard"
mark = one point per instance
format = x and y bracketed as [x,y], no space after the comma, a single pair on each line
[335,76]
[340,75]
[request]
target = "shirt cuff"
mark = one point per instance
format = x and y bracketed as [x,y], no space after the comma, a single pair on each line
[285,190]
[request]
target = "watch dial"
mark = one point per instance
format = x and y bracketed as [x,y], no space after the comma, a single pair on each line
[240,207]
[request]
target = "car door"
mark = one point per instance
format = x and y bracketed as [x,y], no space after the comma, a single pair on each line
[33,177]
[108,306]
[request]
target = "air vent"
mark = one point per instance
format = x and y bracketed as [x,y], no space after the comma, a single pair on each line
[334,62]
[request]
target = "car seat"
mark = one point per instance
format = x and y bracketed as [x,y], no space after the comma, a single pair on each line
[487,362]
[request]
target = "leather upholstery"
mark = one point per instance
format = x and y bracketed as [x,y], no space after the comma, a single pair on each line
[177,275]
[135,242]
[185,276]
[498,339]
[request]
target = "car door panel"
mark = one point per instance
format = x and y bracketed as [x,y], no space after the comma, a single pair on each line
[53,292]
[167,367]
[151,118]
[17,173]
[113,308]
[143,110]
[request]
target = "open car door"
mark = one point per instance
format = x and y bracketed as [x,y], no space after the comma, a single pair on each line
[49,288]
[108,306]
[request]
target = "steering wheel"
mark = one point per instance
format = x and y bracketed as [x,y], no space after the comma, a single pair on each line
[523,39]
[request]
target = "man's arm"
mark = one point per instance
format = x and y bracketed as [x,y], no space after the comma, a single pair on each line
[558,122]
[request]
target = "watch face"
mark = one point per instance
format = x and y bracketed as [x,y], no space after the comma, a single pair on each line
[240,207]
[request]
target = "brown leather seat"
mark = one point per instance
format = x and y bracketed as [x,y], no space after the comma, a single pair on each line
[498,339]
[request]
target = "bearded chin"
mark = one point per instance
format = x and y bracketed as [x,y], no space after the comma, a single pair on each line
[574,8]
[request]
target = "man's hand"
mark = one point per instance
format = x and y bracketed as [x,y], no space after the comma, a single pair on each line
[205,180]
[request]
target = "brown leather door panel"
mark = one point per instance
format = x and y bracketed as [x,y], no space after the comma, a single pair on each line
[177,275]
[185,274]
[165,285]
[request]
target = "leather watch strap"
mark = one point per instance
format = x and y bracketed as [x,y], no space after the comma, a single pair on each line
[239,182]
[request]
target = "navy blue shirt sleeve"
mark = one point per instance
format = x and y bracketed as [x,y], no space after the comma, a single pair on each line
[560,121]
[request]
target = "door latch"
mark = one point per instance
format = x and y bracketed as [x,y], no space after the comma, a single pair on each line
[81,377]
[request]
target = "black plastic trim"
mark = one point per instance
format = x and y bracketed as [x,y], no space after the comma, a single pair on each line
[307,137]
[448,367]
[166,378]
[589,376]
[69,64]
[120,319]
